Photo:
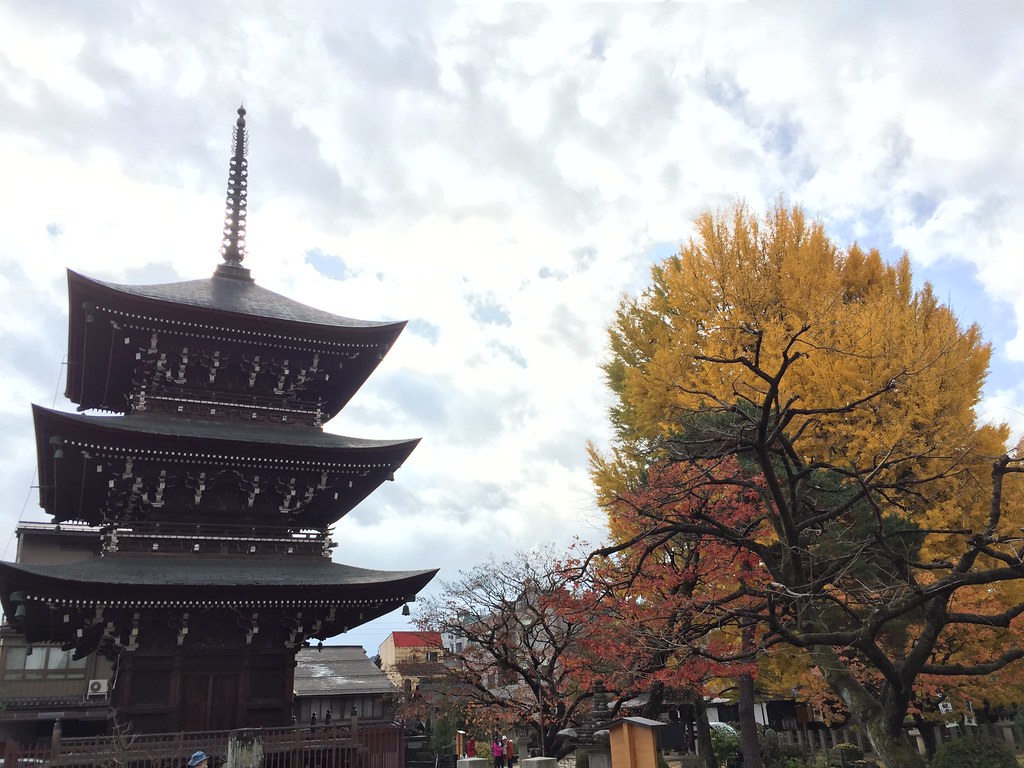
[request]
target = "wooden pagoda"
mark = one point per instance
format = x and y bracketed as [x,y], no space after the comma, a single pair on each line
[214,488]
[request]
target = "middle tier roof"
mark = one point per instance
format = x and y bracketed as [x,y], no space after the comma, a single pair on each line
[112,469]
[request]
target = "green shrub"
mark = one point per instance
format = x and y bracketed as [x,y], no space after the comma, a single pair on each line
[850,752]
[969,752]
[725,740]
[777,755]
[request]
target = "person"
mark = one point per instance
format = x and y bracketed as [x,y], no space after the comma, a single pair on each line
[198,760]
[510,752]
[498,752]
[470,746]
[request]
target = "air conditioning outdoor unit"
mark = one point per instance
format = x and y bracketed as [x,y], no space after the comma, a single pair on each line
[98,687]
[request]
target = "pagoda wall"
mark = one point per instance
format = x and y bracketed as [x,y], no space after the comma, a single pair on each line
[211,678]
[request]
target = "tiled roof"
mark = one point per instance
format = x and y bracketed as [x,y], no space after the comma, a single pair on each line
[220,431]
[339,670]
[416,639]
[238,297]
[220,315]
[203,574]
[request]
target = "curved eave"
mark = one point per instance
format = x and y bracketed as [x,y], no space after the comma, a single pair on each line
[213,305]
[226,298]
[171,428]
[177,441]
[168,581]
[149,577]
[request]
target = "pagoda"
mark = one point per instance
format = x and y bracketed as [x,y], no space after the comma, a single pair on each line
[212,486]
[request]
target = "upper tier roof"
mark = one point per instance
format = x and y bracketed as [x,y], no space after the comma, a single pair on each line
[232,295]
[112,327]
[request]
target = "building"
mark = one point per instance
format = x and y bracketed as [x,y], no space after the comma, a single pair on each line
[213,489]
[340,681]
[41,683]
[411,658]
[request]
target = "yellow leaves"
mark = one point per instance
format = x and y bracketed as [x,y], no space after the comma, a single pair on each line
[769,310]
[850,397]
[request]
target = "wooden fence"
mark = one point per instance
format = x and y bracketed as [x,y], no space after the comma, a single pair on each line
[329,746]
[815,741]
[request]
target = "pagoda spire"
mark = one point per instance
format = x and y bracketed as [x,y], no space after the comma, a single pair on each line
[233,244]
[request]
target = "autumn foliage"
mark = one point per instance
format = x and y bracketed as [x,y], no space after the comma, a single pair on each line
[797,464]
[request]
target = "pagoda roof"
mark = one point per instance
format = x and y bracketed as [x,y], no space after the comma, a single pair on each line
[154,577]
[221,310]
[150,426]
[100,453]
[228,295]
[342,595]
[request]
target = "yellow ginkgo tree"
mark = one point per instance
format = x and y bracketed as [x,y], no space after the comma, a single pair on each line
[765,358]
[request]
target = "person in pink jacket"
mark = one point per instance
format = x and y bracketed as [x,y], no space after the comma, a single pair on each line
[498,752]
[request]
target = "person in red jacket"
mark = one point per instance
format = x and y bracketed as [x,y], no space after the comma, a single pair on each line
[510,752]
[470,746]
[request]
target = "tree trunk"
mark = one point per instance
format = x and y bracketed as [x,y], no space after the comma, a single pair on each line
[927,735]
[891,746]
[895,751]
[749,745]
[704,746]
[655,701]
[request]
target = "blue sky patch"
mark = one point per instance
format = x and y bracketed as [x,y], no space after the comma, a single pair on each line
[329,266]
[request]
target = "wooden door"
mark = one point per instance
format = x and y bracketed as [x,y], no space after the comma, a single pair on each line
[209,702]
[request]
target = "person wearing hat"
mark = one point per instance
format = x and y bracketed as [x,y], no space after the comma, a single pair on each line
[510,752]
[198,760]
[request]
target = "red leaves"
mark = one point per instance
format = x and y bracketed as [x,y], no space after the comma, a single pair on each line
[673,586]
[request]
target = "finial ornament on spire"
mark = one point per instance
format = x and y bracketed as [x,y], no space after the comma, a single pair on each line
[233,244]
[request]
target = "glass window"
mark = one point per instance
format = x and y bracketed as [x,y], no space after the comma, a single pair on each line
[35,658]
[14,663]
[49,662]
[34,663]
[76,667]
[15,659]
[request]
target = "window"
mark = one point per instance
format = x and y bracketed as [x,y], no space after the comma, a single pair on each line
[431,655]
[45,662]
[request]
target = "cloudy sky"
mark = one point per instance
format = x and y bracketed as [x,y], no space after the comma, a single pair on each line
[499,175]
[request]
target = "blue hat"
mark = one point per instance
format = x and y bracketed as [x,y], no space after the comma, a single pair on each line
[197,758]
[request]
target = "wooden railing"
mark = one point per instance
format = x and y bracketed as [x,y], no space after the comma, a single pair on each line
[330,746]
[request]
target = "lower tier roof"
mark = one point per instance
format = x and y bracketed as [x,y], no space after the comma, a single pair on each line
[125,602]
[171,579]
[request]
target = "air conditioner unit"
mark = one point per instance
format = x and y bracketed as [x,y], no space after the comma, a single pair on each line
[98,687]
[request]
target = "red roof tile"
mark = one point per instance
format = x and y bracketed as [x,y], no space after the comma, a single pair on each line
[416,639]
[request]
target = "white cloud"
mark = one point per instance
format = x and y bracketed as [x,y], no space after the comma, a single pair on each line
[497,175]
